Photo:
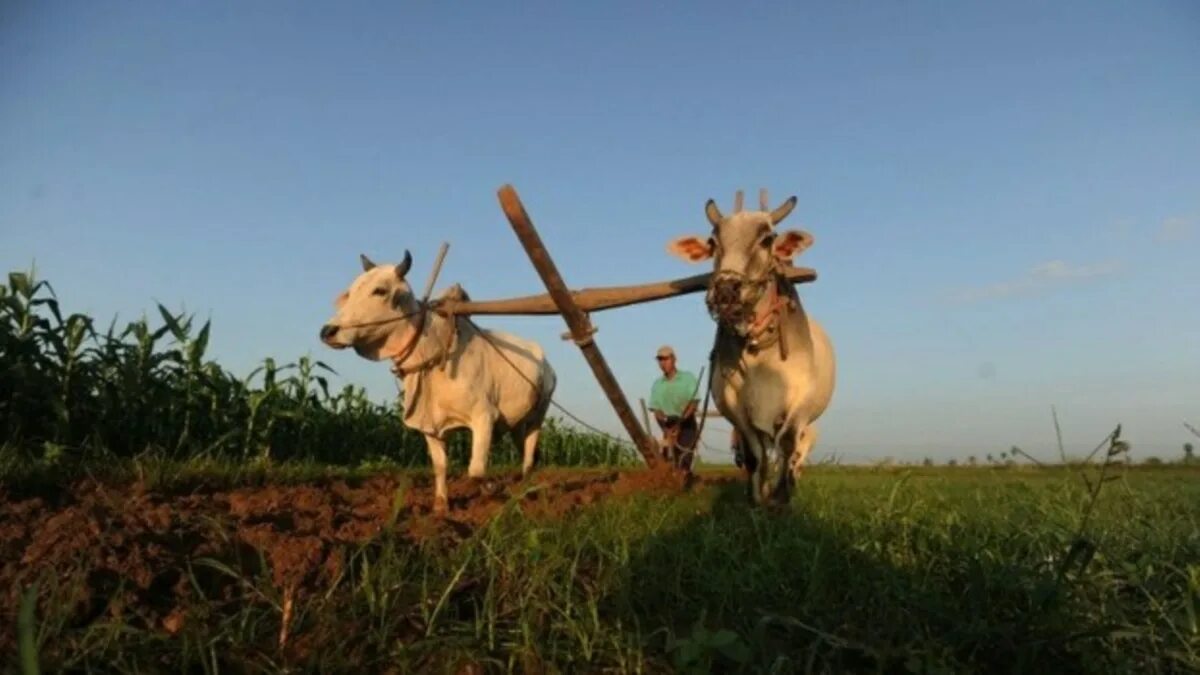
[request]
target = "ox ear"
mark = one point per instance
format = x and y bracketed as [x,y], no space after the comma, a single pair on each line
[691,248]
[792,243]
[366,262]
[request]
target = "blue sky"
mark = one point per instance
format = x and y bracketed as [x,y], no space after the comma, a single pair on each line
[1005,197]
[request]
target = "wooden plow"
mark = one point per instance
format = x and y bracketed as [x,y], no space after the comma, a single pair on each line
[575,306]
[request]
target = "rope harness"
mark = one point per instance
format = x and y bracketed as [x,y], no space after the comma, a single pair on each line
[759,327]
[442,357]
[410,346]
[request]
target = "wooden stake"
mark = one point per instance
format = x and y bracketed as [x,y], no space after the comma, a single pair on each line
[437,269]
[646,421]
[577,321]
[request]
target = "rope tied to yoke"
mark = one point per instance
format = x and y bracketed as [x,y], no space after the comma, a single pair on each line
[439,358]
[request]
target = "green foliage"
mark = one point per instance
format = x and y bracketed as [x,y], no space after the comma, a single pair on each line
[701,650]
[69,390]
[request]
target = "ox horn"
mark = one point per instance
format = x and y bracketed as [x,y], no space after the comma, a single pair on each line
[403,267]
[366,262]
[783,210]
[713,213]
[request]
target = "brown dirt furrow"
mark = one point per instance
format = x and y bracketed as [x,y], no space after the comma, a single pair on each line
[131,551]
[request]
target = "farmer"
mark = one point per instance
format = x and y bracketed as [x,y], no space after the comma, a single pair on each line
[673,400]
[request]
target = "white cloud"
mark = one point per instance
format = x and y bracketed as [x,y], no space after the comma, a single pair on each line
[1176,228]
[1041,276]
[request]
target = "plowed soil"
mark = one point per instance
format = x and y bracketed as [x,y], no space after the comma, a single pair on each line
[103,537]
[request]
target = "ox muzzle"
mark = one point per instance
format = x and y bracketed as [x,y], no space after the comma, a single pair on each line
[732,297]
[329,333]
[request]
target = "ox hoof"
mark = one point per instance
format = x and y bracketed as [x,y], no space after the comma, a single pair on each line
[441,506]
[781,497]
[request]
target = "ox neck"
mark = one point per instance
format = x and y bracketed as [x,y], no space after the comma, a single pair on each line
[776,311]
[431,347]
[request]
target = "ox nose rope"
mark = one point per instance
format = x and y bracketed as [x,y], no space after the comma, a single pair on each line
[391,319]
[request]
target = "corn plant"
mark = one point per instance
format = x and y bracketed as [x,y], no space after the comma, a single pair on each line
[69,390]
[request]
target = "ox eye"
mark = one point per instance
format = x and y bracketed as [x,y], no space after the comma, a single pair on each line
[379,291]
[767,240]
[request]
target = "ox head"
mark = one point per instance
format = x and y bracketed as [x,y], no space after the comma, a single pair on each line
[374,312]
[746,249]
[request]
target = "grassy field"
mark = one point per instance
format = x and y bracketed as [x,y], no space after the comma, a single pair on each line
[922,570]
[159,513]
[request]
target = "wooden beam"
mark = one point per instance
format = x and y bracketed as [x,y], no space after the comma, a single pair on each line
[602,298]
[577,320]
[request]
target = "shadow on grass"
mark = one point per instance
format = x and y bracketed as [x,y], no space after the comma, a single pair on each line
[739,590]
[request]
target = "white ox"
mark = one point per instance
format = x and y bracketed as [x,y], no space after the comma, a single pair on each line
[454,374]
[773,402]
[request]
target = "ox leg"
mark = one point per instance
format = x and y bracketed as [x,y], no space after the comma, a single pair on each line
[804,445]
[529,432]
[786,444]
[481,443]
[756,457]
[437,457]
[527,440]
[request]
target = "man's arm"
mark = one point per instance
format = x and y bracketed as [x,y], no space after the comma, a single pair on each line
[690,409]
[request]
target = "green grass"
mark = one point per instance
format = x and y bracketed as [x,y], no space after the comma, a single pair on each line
[930,570]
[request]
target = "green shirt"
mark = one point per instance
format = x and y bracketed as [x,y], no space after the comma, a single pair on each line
[672,396]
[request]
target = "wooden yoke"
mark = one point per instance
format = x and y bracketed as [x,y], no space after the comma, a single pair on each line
[605,297]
